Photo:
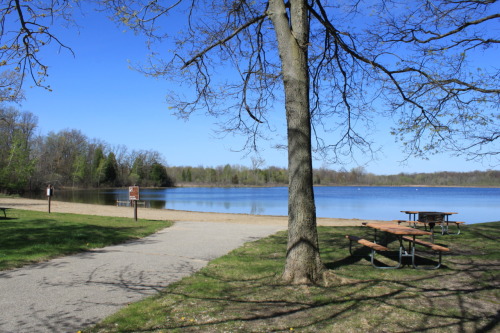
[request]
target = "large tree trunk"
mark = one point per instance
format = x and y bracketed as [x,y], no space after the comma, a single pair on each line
[303,263]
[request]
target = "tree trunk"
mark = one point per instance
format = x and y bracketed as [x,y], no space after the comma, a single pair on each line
[303,263]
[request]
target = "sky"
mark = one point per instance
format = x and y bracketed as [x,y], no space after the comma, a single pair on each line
[96,92]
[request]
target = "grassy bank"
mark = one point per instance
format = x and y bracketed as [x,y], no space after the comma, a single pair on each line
[240,292]
[29,237]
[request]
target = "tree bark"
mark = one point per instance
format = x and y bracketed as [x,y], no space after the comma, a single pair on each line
[303,262]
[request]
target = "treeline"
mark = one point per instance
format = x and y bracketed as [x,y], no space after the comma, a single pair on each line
[228,175]
[68,158]
[29,162]
[238,175]
[358,176]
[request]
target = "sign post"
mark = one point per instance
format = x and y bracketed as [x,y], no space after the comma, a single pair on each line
[50,193]
[133,196]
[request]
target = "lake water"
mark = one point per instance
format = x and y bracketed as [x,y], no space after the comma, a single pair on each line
[381,203]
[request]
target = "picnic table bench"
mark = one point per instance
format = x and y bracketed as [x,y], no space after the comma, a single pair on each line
[435,247]
[129,203]
[4,211]
[432,219]
[402,233]
[443,224]
[373,246]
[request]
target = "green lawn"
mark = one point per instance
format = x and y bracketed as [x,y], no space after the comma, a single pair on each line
[241,292]
[28,237]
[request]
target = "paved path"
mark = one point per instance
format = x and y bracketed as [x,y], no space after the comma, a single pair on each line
[69,293]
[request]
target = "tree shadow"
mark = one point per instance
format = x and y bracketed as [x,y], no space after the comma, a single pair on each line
[88,295]
[460,296]
[355,302]
[3,218]
[42,239]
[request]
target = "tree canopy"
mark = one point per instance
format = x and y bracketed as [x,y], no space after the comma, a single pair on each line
[430,65]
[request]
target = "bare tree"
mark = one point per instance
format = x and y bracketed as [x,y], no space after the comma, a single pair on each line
[338,63]
[335,64]
[25,29]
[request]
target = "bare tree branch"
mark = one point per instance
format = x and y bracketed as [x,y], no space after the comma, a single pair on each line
[222,41]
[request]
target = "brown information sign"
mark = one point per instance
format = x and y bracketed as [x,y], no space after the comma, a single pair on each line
[133,193]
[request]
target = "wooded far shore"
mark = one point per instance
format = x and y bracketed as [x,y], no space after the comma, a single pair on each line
[274,176]
[30,162]
[239,176]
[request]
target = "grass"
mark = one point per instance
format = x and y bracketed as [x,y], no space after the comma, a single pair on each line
[29,237]
[241,292]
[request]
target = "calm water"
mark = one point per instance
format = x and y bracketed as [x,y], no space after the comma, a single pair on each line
[382,203]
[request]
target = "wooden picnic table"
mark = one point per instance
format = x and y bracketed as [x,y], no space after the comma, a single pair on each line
[428,218]
[404,233]
[396,229]
[427,215]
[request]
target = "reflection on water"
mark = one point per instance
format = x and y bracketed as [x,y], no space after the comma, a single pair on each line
[381,203]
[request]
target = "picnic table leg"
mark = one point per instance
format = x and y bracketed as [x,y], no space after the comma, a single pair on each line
[386,267]
[431,229]
[401,245]
[412,247]
[444,229]
[458,229]
[412,217]
[432,267]
[406,252]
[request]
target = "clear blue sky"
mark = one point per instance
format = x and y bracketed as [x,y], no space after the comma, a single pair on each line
[96,92]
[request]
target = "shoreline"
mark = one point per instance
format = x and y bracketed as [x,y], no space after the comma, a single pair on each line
[189,185]
[201,185]
[164,214]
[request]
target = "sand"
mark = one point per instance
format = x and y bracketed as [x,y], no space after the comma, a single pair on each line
[162,214]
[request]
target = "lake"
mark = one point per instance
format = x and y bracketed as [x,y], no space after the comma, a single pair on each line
[381,203]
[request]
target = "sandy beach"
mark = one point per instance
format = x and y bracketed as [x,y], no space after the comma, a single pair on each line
[162,214]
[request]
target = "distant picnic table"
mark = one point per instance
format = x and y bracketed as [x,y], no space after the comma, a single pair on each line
[432,219]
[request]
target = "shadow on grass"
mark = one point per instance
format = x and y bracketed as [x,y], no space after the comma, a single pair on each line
[28,239]
[47,231]
[242,293]
[424,259]
[3,218]
[374,306]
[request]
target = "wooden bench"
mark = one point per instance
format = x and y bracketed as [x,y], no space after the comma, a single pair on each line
[4,211]
[364,242]
[374,247]
[444,225]
[435,247]
[128,203]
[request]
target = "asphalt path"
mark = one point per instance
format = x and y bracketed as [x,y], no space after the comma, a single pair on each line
[73,292]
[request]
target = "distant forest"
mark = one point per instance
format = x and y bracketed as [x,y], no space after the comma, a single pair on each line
[238,175]
[29,162]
